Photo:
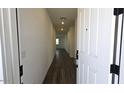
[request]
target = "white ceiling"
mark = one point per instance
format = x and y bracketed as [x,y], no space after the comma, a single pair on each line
[56,13]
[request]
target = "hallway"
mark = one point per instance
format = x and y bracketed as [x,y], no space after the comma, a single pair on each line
[62,69]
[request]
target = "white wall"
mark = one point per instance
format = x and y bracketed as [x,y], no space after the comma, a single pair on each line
[37,42]
[70,41]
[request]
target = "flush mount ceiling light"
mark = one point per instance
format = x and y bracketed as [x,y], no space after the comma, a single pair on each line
[62,23]
[62,20]
[62,29]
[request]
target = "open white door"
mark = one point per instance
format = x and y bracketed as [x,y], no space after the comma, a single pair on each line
[121,48]
[9,47]
[77,47]
[118,51]
[121,81]
[95,45]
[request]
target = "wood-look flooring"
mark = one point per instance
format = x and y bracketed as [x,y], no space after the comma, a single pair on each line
[62,69]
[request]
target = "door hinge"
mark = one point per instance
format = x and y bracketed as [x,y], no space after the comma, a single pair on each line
[77,54]
[76,66]
[21,70]
[114,69]
[118,11]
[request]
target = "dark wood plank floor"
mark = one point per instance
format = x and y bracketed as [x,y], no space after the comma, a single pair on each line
[62,70]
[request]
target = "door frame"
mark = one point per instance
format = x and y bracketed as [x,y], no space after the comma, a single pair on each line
[9,42]
[78,38]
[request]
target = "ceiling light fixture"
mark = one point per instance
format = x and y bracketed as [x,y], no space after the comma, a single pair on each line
[62,20]
[63,23]
[62,29]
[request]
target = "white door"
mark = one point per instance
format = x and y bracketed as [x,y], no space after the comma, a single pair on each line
[9,47]
[121,78]
[95,45]
[118,31]
[1,65]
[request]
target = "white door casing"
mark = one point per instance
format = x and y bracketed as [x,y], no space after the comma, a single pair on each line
[78,45]
[96,45]
[1,64]
[9,45]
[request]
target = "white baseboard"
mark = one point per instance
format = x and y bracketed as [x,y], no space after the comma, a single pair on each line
[1,82]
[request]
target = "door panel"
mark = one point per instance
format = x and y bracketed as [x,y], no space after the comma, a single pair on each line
[92,76]
[82,32]
[86,29]
[96,36]
[82,73]
[94,32]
